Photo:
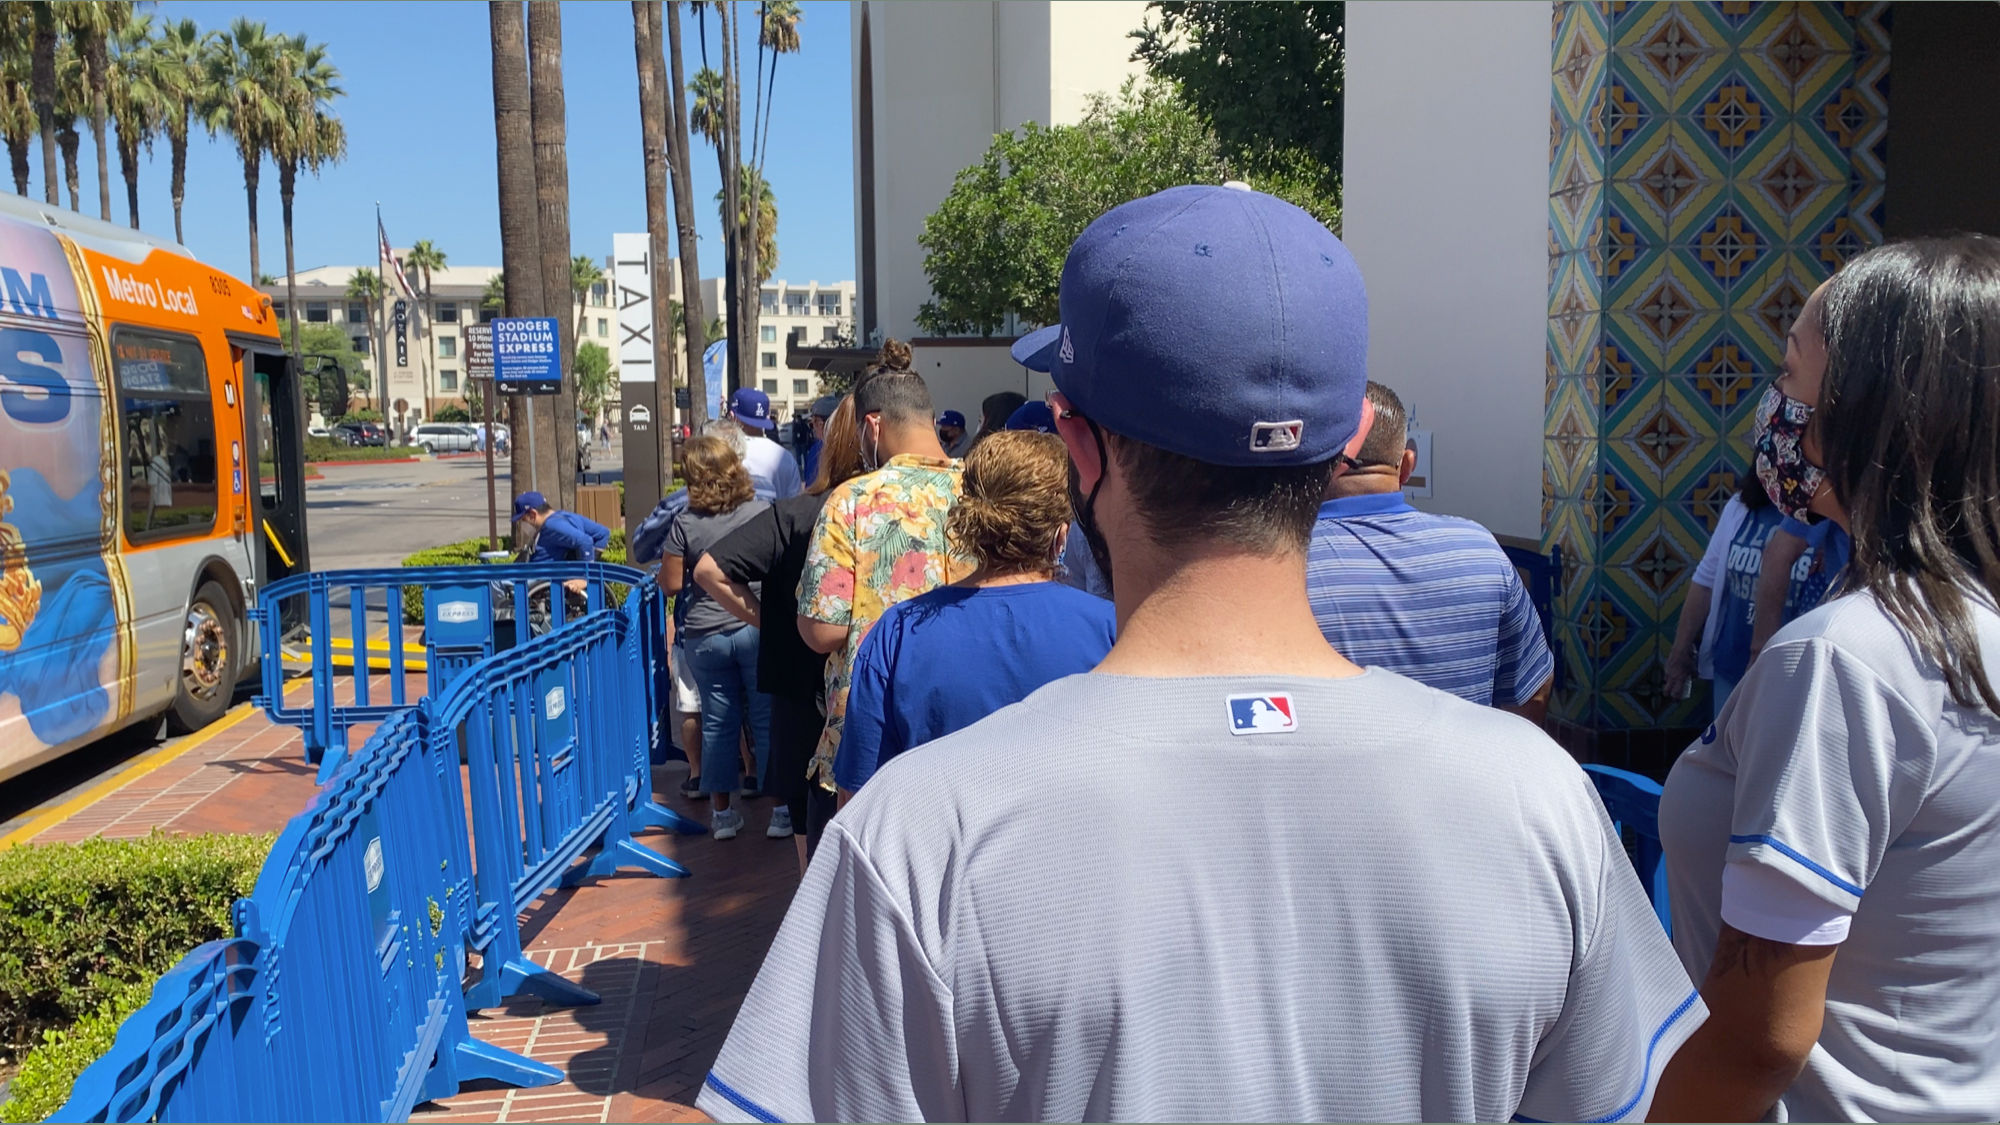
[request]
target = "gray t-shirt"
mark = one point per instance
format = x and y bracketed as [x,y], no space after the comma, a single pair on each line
[1303,899]
[1842,772]
[689,537]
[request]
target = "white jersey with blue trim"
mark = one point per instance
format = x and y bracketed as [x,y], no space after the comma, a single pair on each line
[1844,799]
[1273,898]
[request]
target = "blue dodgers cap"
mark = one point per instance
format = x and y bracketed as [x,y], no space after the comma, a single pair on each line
[951,418]
[1218,323]
[751,407]
[1033,416]
[528,502]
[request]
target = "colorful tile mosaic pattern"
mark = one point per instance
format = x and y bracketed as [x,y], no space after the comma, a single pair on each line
[1709,165]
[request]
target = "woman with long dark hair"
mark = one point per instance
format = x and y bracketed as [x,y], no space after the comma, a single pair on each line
[1833,843]
[758,566]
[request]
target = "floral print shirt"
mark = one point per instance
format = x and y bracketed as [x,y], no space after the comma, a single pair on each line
[880,540]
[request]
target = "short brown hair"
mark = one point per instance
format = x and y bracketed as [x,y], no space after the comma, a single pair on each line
[1390,435]
[716,479]
[1013,503]
[1179,499]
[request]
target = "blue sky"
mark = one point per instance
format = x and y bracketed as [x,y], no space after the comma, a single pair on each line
[419,122]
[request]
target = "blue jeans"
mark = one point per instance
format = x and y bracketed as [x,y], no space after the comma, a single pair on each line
[725,670]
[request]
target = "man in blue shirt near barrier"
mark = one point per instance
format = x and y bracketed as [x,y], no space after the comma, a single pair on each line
[1432,597]
[559,536]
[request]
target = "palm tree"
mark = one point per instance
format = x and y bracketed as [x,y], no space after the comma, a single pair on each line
[92,25]
[779,31]
[425,257]
[42,82]
[520,229]
[305,134]
[179,77]
[709,116]
[366,285]
[755,187]
[653,143]
[545,83]
[72,102]
[692,337]
[495,294]
[136,105]
[240,74]
[17,105]
[584,275]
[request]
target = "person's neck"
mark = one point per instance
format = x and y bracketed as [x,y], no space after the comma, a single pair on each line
[983,579]
[911,441]
[1364,483]
[1209,610]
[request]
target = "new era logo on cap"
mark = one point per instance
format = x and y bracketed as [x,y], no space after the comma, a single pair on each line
[1068,352]
[1262,714]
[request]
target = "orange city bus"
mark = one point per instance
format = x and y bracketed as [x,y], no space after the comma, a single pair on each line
[140,391]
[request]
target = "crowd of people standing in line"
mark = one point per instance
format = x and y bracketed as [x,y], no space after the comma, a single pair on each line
[1237,824]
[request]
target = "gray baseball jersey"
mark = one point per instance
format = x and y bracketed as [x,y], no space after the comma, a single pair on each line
[1842,772]
[1232,899]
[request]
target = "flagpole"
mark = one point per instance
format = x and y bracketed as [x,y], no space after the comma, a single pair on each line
[381,319]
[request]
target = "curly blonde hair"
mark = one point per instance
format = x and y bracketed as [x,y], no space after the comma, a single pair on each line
[717,482]
[1013,503]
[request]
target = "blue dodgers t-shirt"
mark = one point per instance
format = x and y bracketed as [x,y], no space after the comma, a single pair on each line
[944,660]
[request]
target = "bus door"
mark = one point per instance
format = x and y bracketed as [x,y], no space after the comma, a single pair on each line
[277,442]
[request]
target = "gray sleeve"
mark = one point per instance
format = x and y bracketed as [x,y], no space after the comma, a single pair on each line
[846,1021]
[1629,1006]
[1832,762]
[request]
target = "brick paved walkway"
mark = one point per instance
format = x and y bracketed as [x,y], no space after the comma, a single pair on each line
[671,958]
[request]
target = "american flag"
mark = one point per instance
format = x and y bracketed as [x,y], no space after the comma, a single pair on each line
[392,264]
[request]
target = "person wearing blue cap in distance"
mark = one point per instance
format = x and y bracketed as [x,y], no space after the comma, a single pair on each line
[1411,907]
[559,536]
[953,436]
[774,474]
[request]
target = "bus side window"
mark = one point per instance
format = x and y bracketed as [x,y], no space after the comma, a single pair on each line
[167,423]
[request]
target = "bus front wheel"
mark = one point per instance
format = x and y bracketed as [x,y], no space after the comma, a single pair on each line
[209,661]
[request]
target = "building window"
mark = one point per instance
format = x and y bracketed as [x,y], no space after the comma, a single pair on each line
[768,333]
[797,337]
[447,347]
[599,293]
[829,335]
[486,315]
[317,312]
[795,305]
[278,309]
[603,327]
[357,312]
[770,359]
[447,312]
[167,418]
[361,344]
[770,386]
[829,304]
[769,301]
[447,379]
[801,387]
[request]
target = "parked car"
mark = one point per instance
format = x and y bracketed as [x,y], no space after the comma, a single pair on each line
[443,437]
[318,431]
[362,433]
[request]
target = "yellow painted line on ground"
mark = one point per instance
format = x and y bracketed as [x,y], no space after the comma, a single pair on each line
[55,814]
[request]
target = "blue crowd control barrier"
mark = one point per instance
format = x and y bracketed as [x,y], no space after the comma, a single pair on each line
[463,624]
[1633,803]
[548,731]
[339,999]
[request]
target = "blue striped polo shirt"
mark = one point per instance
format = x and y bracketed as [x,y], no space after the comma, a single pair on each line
[1431,597]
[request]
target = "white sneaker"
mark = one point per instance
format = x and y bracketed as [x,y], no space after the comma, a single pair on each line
[781,824]
[726,824]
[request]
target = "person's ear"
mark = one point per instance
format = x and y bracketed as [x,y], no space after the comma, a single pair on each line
[1083,447]
[1361,433]
[1409,466]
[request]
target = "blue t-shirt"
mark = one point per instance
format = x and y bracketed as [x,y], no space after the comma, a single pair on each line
[1736,593]
[944,660]
[566,536]
[1430,597]
[1830,549]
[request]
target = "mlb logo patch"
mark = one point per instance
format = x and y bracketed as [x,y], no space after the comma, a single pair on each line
[1262,714]
[1276,437]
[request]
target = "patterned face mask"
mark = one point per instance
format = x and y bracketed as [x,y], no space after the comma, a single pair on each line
[1782,467]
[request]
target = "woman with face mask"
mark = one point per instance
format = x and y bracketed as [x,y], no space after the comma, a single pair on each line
[1833,851]
[942,661]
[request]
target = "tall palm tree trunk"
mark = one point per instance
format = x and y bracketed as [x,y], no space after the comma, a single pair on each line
[646,31]
[694,325]
[732,201]
[552,212]
[180,165]
[100,109]
[43,80]
[128,166]
[70,141]
[17,159]
[251,170]
[520,238]
[288,174]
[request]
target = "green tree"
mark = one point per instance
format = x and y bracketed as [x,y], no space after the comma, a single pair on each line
[17,103]
[594,383]
[584,275]
[494,296]
[92,25]
[754,186]
[304,135]
[42,90]
[366,285]
[180,78]
[995,246]
[1268,76]
[424,257]
[72,103]
[137,106]
[241,74]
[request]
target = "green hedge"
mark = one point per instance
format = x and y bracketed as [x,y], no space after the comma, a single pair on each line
[465,552]
[327,449]
[51,1069]
[80,922]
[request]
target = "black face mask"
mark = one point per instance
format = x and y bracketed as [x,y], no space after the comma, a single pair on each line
[1085,508]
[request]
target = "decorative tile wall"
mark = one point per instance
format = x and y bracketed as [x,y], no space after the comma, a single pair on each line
[1709,165]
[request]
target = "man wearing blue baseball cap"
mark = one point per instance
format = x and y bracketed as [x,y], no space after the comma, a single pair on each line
[953,436]
[1314,892]
[774,475]
[559,536]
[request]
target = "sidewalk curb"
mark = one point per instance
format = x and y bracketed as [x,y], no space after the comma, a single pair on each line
[374,461]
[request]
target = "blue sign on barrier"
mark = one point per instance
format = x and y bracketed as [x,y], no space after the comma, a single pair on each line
[527,355]
[458,616]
